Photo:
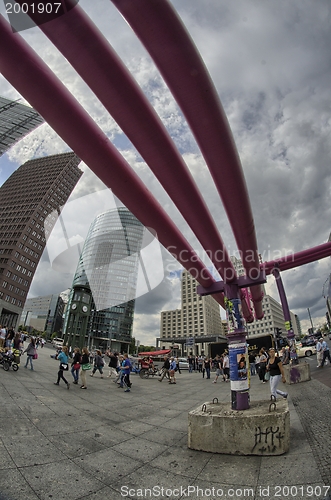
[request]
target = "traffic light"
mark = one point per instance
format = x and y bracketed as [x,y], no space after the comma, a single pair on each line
[328,319]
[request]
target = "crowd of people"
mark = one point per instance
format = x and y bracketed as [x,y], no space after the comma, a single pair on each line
[267,365]
[83,361]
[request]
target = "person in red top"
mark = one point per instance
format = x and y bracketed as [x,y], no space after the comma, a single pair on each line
[151,363]
[145,363]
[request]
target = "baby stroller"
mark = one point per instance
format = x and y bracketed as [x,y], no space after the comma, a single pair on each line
[10,360]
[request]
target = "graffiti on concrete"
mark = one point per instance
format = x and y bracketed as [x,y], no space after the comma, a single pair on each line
[295,375]
[268,440]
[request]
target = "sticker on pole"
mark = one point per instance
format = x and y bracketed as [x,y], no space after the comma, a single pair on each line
[238,355]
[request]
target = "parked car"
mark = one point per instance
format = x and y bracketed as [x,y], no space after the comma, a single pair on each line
[57,342]
[304,350]
[183,364]
[308,341]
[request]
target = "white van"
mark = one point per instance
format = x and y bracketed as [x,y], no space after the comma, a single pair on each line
[57,342]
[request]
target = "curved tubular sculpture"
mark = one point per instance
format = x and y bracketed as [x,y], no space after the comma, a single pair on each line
[298,259]
[26,71]
[90,54]
[159,28]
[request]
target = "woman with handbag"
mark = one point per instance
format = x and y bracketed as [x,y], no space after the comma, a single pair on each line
[63,357]
[31,352]
[276,373]
[75,365]
[85,365]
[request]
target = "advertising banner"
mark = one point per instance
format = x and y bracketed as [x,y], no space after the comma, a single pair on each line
[238,355]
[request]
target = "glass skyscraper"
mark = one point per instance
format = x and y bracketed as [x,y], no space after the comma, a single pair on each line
[16,121]
[109,265]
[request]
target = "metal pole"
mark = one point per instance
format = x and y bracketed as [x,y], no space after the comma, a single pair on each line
[311,321]
[238,352]
[287,315]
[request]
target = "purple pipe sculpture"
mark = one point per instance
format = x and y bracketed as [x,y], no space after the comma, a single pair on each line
[298,259]
[35,81]
[159,28]
[90,54]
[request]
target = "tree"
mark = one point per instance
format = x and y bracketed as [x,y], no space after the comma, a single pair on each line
[146,348]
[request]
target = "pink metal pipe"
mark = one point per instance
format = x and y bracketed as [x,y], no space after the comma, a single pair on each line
[90,54]
[35,81]
[298,259]
[159,28]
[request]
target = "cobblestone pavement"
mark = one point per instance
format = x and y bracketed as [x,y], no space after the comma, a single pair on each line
[59,444]
[313,405]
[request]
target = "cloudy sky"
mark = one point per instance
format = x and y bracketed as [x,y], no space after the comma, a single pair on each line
[271,64]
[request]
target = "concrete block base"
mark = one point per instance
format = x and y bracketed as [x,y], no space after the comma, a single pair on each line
[297,373]
[217,428]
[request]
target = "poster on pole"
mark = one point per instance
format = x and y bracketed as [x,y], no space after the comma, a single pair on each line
[238,355]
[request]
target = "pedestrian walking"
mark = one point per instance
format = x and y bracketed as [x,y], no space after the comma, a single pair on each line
[75,366]
[98,363]
[165,369]
[190,360]
[30,353]
[206,366]
[276,371]
[113,363]
[262,365]
[172,371]
[177,366]
[319,352]
[3,333]
[326,353]
[200,363]
[218,369]
[63,357]
[285,356]
[251,358]
[85,366]
[126,368]
[17,342]
[226,366]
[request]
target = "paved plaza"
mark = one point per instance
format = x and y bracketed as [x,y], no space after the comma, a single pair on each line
[102,443]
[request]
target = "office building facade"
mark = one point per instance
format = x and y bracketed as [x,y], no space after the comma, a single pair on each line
[272,320]
[198,319]
[108,267]
[44,313]
[35,190]
[16,121]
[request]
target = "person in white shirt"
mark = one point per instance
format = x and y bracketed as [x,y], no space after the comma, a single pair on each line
[3,334]
[319,353]
[326,353]
[226,367]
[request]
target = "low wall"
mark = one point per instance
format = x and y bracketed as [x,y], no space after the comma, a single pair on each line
[297,373]
[217,428]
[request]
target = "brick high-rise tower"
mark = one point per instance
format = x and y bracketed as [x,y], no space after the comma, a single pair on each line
[32,192]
